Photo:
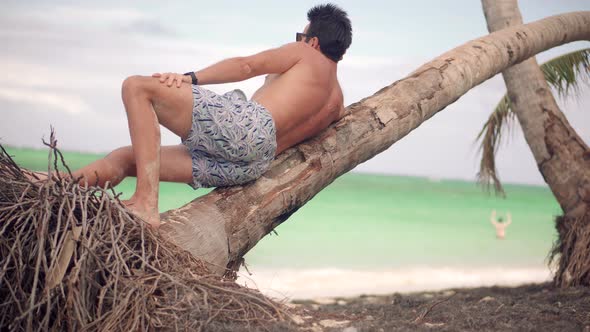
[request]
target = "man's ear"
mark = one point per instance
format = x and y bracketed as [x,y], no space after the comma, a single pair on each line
[315,42]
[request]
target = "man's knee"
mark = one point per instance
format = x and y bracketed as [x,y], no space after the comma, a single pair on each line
[137,85]
[122,158]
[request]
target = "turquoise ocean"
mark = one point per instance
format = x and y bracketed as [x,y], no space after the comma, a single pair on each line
[374,234]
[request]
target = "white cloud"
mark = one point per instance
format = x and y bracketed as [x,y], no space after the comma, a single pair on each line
[21,72]
[72,104]
[67,14]
[371,61]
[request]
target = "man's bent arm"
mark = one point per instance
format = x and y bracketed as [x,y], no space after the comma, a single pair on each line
[509,217]
[274,61]
[226,71]
[493,218]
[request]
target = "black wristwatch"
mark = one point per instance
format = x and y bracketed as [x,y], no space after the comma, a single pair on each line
[194,78]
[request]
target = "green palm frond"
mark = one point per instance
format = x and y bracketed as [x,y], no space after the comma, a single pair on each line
[491,136]
[565,74]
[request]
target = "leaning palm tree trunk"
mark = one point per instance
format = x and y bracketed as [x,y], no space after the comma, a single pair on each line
[222,226]
[562,157]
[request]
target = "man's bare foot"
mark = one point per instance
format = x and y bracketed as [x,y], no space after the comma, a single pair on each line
[35,176]
[145,212]
[38,176]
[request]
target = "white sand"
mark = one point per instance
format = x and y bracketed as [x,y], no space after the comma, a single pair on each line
[321,283]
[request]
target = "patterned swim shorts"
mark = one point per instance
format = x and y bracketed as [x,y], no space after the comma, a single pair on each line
[232,140]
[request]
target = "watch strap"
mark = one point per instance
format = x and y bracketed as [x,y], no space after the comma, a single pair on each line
[194,78]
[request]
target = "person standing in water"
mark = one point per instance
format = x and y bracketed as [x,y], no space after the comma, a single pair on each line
[500,225]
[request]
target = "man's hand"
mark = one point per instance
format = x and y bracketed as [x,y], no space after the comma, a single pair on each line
[170,78]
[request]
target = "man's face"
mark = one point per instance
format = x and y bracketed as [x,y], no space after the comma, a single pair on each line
[312,41]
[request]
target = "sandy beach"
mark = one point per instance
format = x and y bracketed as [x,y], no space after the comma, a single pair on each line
[533,307]
[537,307]
[290,284]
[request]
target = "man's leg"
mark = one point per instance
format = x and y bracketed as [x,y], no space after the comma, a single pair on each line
[148,104]
[175,166]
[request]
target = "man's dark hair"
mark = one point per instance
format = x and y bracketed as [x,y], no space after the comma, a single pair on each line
[332,27]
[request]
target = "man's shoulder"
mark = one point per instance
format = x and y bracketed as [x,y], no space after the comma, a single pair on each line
[291,48]
[300,50]
[295,46]
[275,60]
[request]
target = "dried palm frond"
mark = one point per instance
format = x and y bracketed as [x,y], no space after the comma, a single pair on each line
[570,251]
[72,258]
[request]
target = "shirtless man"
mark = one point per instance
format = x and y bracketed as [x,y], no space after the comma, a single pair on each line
[227,140]
[500,225]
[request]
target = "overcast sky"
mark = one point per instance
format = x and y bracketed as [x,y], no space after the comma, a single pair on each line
[62,64]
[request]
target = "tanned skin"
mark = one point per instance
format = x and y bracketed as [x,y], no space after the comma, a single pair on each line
[301,91]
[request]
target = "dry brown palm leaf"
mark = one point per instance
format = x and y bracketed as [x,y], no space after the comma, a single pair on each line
[72,258]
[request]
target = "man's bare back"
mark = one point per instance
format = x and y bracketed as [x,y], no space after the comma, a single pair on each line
[304,100]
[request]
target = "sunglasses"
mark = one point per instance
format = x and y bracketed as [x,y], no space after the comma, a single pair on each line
[299,36]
